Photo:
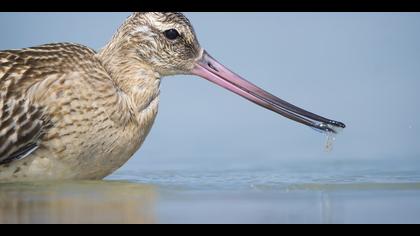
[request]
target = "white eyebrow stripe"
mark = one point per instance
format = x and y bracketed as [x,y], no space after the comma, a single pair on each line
[143,29]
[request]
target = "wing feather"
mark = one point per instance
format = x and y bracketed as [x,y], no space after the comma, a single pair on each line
[23,122]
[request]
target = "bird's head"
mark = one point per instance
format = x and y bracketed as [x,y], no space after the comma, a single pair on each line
[166,42]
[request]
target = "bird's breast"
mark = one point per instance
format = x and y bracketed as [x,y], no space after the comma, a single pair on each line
[93,133]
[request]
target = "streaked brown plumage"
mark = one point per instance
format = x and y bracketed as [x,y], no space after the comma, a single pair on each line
[67,112]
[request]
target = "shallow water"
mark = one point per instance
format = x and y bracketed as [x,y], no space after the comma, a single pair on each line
[77,202]
[310,192]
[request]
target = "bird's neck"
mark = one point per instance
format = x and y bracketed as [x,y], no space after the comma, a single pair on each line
[138,83]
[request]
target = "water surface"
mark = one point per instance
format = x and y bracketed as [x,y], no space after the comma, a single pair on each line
[326,191]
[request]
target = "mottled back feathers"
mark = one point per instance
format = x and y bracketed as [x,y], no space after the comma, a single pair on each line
[23,119]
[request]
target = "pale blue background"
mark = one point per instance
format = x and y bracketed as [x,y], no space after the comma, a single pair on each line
[360,68]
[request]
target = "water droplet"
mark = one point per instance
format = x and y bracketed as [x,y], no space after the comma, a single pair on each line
[330,135]
[329,141]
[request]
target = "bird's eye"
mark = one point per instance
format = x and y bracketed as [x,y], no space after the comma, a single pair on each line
[171,34]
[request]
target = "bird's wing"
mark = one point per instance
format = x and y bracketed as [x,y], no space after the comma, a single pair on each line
[28,78]
[22,121]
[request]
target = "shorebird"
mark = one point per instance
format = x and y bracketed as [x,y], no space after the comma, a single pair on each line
[68,112]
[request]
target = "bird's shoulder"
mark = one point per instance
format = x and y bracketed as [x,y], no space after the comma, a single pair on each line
[23,71]
[48,58]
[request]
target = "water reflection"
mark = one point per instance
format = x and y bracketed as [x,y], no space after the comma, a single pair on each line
[77,202]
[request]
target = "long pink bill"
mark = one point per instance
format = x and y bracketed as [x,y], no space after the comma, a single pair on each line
[208,68]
